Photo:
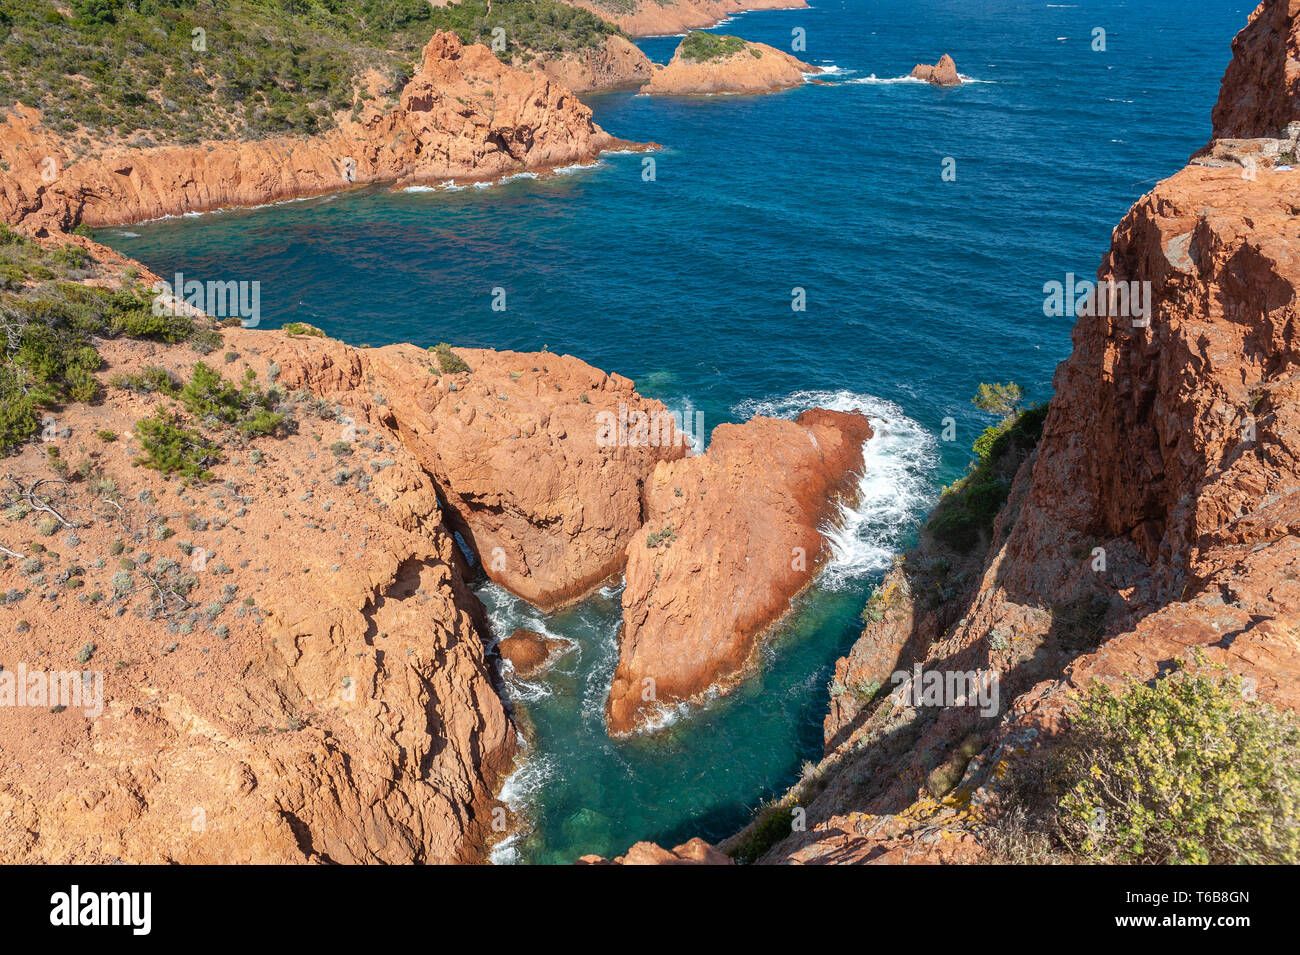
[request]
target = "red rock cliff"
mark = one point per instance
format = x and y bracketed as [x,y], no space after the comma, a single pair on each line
[463,115]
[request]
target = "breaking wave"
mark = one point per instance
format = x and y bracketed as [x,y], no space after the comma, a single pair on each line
[893,492]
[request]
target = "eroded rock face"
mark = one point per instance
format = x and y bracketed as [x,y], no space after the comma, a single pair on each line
[324,695]
[617,62]
[730,536]
[535,483]
[1168,448]
[1260,93]
[943,73]
[673,17]
[758,68]
[463,115]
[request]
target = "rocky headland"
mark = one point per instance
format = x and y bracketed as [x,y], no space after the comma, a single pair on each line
[706,63]
[463,115]
[616,63]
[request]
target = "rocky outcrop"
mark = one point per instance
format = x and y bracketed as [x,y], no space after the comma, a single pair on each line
[943,73]
[464,115]
[539,485]
[673,17]
[755,68]
[614,64]
[530,652]
[730,537]
[1159,515]
[1260,94]
[694,852]
[292,668]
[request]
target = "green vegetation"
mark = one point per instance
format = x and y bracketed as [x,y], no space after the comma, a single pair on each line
[188,70]
[1186,769]
[665,536]
[48,322]
[298,329]
[771,824]
[448,361]
[216,402]
[170,448]
[151,380]
[965,513]
[531,26]
[709,46]
[1001,400]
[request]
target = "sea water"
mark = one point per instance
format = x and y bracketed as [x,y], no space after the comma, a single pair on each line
[918,227]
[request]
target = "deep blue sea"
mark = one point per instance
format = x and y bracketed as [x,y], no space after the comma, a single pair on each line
[917,288]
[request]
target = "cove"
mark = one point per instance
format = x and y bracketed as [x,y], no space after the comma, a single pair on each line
[917,289]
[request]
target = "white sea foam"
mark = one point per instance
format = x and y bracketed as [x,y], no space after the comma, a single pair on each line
[127,235]
[576,167]
[894,488]
[888,80]
[533,772]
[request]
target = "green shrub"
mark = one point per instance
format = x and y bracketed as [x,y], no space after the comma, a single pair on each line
[1181,770]
[150,380]
[963,518]
[448,361]
[771,824]
[709,46]
[213,399]
[170,448]
[999,399]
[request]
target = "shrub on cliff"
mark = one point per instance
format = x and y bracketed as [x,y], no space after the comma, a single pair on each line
[48,325]
[1002,400]
[1186,769]
[965,513]
[449,363]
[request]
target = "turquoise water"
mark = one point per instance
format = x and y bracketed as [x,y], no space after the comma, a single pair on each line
[917,289]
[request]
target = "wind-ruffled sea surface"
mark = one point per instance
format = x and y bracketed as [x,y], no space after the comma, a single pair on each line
[917,288]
